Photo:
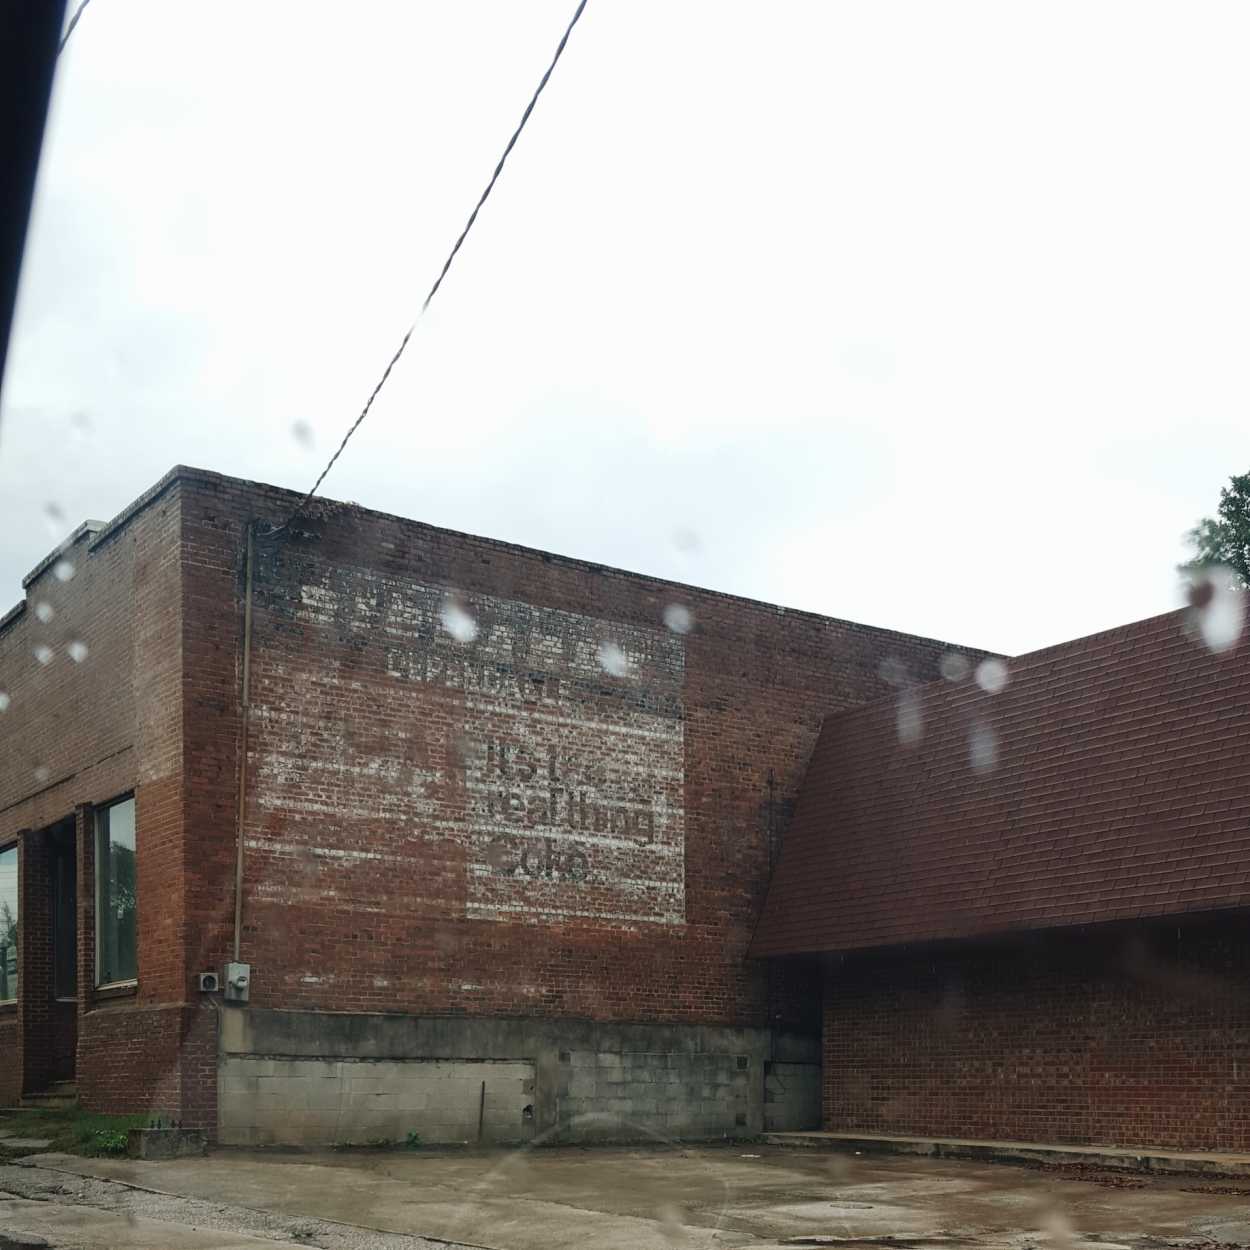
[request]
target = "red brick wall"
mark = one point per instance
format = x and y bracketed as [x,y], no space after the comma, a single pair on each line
[130,1059]
[10,1068]
[1133,1037]
[363,891]
[34,1041]
[1109,780]
[365,887]
[78,733]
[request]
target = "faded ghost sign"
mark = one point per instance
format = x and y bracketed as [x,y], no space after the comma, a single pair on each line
[562,782]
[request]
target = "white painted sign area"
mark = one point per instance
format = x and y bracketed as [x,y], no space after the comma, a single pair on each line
[562,781]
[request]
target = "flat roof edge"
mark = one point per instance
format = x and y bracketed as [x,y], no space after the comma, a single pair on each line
[210,477]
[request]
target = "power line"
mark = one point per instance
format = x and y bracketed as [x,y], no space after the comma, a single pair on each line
[73,21]
[468,225]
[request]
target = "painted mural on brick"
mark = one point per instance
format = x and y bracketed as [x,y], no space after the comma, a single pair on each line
[561,778]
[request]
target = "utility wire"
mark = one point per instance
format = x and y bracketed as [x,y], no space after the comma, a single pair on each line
[69,30]
[468,225]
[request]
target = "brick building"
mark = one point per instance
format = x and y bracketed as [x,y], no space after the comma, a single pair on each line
[1028,906]
[491,840]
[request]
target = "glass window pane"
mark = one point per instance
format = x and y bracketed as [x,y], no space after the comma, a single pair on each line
[8,924]
[115,907]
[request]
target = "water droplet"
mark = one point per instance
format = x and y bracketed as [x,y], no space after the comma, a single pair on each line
[63,570]
[910,718]
[1218,606]
[983,749]
[43,654]
[77,651]
[954,667]
[613,660]
[458,620]
[839,1169]
[5,701]
[992,675]
[1060,1235]
[678,618]
[893,671]
[302,432]
[669,1217]
[54,516]
[685,539]
[42,773]
[81,423]
[44,611]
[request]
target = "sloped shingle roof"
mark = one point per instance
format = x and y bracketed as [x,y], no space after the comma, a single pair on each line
[1120,788]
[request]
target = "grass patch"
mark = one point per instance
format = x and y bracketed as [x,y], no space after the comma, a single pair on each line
[70,1129]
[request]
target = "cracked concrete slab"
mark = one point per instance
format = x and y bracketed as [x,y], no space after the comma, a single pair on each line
[73,1212]
[697,1197]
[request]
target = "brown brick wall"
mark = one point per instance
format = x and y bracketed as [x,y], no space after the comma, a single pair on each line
[34,1037]
[1109,780]
[130,1059]
[78,733]
[10,1069]
[369,883]
[1129,1037]
[365,890]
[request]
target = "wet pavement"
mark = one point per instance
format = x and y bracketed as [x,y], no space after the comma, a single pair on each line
[693,1197]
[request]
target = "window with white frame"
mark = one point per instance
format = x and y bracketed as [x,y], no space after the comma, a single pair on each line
[115,946]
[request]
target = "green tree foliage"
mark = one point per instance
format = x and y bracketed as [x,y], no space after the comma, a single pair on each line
[1225,539]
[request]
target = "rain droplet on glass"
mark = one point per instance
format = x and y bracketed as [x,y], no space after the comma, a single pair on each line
[44,611]
[77,651]
[910,718]
[992,675]
[302,432]
[54,515]
[43,653]
[1218,606]
[679,618]
[457,620]
[42,773]
[685,539]
[893,671]
[5,701]
[954,667]
[1060,1234]
[670,1218]
[613,660]
[63,570]
[983,749]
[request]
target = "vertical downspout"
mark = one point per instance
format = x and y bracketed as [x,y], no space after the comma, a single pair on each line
[245,706]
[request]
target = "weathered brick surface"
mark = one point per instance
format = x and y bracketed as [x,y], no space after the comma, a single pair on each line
[34,1039]
[1130,1036]
[129,1058]
[10,1068]
[78,733]
[397,856]
[434,827]
[1117,786]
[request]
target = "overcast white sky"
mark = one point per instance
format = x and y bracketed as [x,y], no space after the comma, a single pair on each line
[931,315]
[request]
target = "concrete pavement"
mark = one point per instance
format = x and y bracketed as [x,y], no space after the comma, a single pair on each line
[698,1198]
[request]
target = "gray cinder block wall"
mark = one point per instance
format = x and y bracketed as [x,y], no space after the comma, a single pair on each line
[314,1078]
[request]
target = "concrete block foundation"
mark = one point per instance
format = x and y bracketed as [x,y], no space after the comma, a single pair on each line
[318,1078]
